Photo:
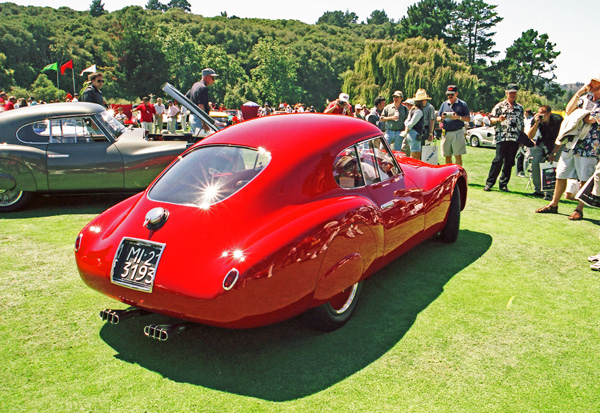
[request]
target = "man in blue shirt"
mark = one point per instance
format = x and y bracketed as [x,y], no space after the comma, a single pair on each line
[454,113]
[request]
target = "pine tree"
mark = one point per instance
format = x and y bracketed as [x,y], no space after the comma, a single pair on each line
[97,8]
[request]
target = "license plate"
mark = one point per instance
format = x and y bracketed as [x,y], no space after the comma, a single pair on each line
[135,264]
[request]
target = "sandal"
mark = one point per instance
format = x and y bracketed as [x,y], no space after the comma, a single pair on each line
[548,209]
[576,215]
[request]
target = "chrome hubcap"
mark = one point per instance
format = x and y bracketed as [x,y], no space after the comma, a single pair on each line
[350,297]
[10,197]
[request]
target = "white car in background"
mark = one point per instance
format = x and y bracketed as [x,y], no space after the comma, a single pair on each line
[481,136]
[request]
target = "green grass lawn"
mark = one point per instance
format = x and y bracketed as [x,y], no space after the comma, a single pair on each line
[505,319]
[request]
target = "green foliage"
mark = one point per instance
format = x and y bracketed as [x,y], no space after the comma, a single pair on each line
[338,18]
[97,8]
[6,75]
[386,66]
[182,54]
[472,24]
[378,17]
[142,66]
[275,74]
[428,19]
[530,59]
[44,89]
[180,4]
[156,5]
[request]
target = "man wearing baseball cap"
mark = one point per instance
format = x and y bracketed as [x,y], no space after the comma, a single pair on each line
[340,106]
[394,116]
[578,162]
[453,114]
[198,94]
[508,116]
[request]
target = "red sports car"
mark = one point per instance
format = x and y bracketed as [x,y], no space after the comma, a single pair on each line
[266,220]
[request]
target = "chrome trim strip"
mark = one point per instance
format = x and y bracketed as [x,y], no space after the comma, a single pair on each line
[237,276]
[388,205]
[58,155]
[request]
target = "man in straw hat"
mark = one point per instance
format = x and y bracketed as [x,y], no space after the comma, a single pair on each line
[428,115]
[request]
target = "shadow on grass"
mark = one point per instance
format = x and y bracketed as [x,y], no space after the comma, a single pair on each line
[53,205]
[287,361]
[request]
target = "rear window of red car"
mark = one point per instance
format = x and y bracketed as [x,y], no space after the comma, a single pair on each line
[209,175]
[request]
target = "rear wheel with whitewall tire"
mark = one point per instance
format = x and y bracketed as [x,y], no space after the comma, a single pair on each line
[475,141]
[13,200]
[335,313]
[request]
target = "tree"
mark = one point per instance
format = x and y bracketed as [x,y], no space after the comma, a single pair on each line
[44,89]
[6,75]
[97,8]
[182,53]
[378,17]
[338,18]
[530,61]
[472,22]
[180,4]
[275,74]
[386,66]
[156,5]
[141,64]
[428,19]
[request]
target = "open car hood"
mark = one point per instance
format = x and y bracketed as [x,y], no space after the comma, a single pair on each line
[194,109]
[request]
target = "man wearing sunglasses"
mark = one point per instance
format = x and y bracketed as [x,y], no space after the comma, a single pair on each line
[92,92]
[453,114]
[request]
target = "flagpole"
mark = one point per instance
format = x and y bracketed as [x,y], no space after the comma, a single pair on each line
[73,73]
[57,81]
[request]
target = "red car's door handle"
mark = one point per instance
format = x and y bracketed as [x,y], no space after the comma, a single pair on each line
[388,205]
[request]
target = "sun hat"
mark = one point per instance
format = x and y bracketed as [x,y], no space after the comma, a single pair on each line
[344,97]
[398,93]
[358,106]
[421,95]
[409,102]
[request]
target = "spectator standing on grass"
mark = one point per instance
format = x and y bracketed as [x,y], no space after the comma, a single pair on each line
[413,127]
[579,162]
[394,116]
[198,94]
[340,106]
[120,116]
[172,112]
[92,92]
[147,112]
[453,114]
[184,114]
[160,109]
[508,116]
[428,115]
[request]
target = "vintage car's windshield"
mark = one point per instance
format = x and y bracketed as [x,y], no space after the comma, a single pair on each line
[209,174]
[114,126]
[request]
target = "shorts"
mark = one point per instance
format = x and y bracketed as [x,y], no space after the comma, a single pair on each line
[571,166]
[453,143]
[413,140]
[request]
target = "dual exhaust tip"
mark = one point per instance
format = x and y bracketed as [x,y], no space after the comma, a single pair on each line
[160,332]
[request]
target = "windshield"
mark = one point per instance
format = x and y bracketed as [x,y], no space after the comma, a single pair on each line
[114,126]
[209,175]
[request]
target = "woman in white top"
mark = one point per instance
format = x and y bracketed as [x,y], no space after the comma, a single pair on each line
[413,126]
[158,119]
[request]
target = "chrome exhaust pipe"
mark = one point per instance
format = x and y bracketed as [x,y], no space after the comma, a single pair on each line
[115,316]
[162,332]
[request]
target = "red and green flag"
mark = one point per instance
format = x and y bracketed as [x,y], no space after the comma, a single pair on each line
[51,66]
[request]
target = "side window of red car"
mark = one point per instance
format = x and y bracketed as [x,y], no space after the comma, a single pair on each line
[346,170]
[386,164]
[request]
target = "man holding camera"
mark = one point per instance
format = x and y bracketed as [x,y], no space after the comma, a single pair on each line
[548,125]
[340,106]
[394,116]
[508,116]
[454,113]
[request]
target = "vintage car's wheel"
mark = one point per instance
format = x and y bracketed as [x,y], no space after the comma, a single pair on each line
[475,141]
[334,314]
[13,200]
[450,232]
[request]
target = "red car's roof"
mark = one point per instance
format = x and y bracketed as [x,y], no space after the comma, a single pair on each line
[299,135]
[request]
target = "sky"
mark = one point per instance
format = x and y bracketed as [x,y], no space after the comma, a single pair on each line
[565,25]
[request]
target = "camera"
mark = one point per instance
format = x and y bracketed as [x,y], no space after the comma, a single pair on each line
[449,114]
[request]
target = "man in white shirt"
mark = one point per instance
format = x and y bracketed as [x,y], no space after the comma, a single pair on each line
[172,112]
[158,118]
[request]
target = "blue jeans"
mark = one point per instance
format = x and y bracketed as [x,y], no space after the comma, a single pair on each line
[414,141]
[195,123]
[393,137]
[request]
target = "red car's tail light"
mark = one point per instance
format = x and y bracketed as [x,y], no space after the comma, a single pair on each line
[78,242]
[230,279]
